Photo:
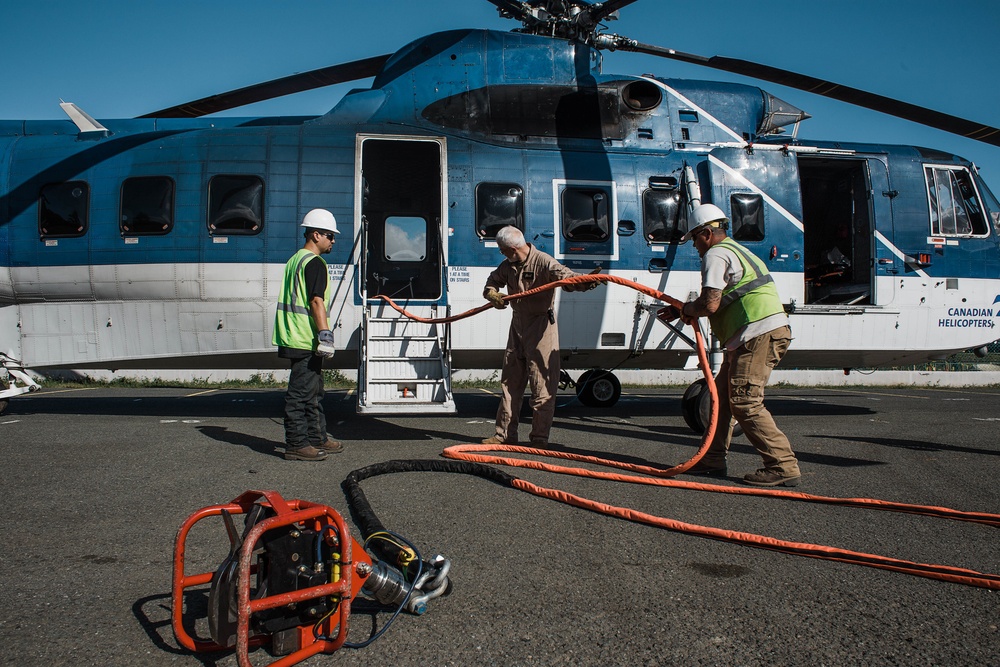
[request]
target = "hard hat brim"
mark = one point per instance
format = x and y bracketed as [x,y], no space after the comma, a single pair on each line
[694,230]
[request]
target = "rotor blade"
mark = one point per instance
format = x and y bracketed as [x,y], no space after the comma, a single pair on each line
[861,98]
[296,83]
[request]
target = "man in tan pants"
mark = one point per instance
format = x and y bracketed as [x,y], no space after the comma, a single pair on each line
[741,303]
[532,353]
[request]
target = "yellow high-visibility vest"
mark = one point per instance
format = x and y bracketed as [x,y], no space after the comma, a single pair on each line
[752,299]
[293,323]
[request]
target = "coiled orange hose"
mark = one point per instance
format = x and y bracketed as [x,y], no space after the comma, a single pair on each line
[661,477]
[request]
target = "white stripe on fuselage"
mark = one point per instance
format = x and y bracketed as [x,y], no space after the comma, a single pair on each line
[701,112]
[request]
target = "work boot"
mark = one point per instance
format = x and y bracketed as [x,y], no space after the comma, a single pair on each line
[307,453]
[771,477]
[703,469]
[332,446]
[539,443]
[497,441]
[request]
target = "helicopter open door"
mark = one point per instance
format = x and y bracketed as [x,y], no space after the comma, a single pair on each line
[403,365]
[846,202]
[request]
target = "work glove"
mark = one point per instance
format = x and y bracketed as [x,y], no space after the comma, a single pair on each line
[589,286]
[668,313]
[496,298]
[325,347]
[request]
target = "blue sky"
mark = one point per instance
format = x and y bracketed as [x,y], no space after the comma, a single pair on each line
[123,58]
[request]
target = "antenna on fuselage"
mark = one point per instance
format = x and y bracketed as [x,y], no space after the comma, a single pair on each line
[89,128]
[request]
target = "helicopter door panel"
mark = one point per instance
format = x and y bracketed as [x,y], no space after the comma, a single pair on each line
[760,193]
[401,202]
[880,257]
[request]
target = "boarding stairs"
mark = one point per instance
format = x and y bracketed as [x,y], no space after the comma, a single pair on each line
[405,365]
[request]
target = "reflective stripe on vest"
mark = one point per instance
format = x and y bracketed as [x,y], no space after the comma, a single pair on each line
[293,323]
[753,298]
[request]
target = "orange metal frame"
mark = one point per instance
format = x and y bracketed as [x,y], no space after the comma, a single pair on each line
[287,512]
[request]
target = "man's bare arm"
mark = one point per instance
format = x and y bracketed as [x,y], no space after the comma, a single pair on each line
[318,308]
[706,304]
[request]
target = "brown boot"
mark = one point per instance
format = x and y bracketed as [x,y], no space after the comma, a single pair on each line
[332,446]
[771,477]
[307,453]
[707,470]
[497,441]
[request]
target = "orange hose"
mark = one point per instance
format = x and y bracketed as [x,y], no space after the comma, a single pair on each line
[660,477]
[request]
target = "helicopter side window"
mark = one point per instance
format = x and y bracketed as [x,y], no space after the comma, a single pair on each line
[661,216]
[147,206]
[405,239]
[747,216]
[235,205]
[498,205]
[955,208]
[585,214]
[62,210]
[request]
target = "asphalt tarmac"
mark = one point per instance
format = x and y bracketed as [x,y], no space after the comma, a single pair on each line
[97,482]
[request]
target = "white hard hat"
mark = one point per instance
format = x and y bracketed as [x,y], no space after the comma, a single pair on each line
[706,214]
[320,218]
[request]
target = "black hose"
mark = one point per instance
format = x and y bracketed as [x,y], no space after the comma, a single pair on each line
[363,515]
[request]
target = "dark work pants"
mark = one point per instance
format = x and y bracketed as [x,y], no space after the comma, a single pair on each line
[305,423]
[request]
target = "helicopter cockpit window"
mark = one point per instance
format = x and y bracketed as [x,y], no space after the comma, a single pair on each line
[747,219]
[661,216]
[147,206]
[954,204]
[405,239]
[62,210]
[498,205]
[586,214]
[991,202]
[235,205]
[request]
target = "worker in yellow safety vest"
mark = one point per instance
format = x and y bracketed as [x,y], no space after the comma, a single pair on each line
[303,336]
[741,302]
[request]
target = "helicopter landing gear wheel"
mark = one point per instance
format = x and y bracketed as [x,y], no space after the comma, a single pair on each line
[598,389]
[696,406]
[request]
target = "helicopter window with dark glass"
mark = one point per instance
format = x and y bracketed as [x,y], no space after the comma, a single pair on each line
[661,216]
[747,219]
[954,204]
[235,205]
[585,214]
[498,205]
[62,209]
[147,206]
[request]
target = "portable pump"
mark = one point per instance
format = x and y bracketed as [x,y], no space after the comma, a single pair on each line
[290,579]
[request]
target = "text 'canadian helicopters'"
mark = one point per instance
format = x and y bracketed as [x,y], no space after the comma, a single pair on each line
[159,242]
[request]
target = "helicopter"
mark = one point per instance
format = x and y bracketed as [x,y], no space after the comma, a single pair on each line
[159,241]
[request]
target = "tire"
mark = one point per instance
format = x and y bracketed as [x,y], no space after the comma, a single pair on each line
[598,389]
[3,405]
[696,407]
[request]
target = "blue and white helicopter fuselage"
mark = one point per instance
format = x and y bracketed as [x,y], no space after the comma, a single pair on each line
[160,243]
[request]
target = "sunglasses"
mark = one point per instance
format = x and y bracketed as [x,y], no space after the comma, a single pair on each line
[328,235]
